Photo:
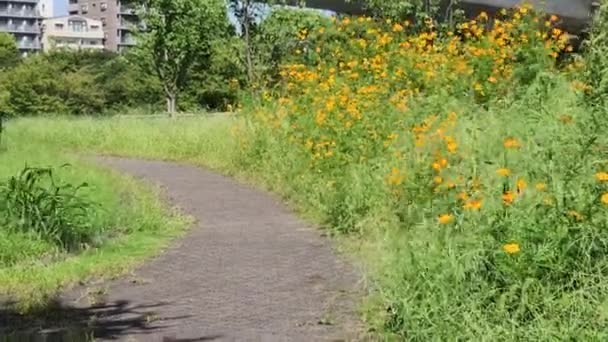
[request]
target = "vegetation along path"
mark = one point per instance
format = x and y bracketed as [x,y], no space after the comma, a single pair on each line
[248,270]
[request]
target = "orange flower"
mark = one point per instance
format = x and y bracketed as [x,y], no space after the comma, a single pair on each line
[602,176]
[508,197]
[503,171]
[473,205]
[511,143]
[511,248]
[445,218]
[605,198]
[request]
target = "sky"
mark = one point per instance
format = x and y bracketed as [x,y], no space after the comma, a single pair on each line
[60,7]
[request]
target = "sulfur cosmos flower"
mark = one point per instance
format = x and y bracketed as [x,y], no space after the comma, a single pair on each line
[472,205]
[540,186]
[511,143]
[602,176]
[521,185]
[445,218]
[605,198]
[508,197]
[503,171]
[511,248]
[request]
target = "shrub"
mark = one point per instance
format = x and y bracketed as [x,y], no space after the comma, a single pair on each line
[33,202]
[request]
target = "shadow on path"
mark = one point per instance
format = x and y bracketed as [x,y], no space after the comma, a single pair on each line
[106,321]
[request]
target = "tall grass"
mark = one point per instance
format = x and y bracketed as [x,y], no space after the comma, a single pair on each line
[50,236]
[56,212]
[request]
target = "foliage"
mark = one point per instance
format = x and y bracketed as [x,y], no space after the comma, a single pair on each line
[276,40]
[75,83]
[468,156]
[596,64]
[32,201]
[177,34]
[444,11]
[9,54]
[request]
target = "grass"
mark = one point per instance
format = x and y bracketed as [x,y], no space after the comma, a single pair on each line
[33,270]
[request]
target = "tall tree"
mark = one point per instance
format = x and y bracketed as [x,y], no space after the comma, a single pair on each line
[177,33]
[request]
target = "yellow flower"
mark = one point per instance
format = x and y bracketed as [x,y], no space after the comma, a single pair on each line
[395,177]
[473,205]
[602,176]
[397,27]
[503,171]
[521,185]
[445,218]
[605,198]
[511,248]
[508,197]
[511,143]
[438,180]
[540,186]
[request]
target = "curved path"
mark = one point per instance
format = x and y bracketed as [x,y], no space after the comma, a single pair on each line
[247,271]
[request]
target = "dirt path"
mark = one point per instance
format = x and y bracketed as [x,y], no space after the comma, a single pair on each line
[247,271]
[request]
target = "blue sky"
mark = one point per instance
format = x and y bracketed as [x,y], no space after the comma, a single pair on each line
[60,7]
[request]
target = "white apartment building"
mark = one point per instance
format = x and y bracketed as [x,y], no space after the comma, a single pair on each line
[72,32]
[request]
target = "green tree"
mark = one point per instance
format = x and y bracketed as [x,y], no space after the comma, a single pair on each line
[178,33]
[9,54]
[248,13]
[440,10]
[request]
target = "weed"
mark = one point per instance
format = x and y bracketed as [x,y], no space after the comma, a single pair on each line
[33,202]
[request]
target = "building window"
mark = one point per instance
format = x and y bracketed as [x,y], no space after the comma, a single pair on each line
[59,26]
[103,22]
[84,9]
[95,27]
[73,12]
[103,6]
[77,25]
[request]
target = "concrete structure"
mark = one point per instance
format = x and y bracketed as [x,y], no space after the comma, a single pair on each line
[72,32]
[117,18]
[22,19]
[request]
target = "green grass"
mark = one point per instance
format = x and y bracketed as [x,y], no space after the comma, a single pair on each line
[32,270]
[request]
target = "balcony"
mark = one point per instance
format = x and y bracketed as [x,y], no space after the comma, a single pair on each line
[24,1]
[28,45]
[20,29]
[18,13]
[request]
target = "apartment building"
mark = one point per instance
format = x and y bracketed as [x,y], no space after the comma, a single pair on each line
[22,18]
[117,17]
[72,32]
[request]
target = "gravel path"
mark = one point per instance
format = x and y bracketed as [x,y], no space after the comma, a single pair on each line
[247,271]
